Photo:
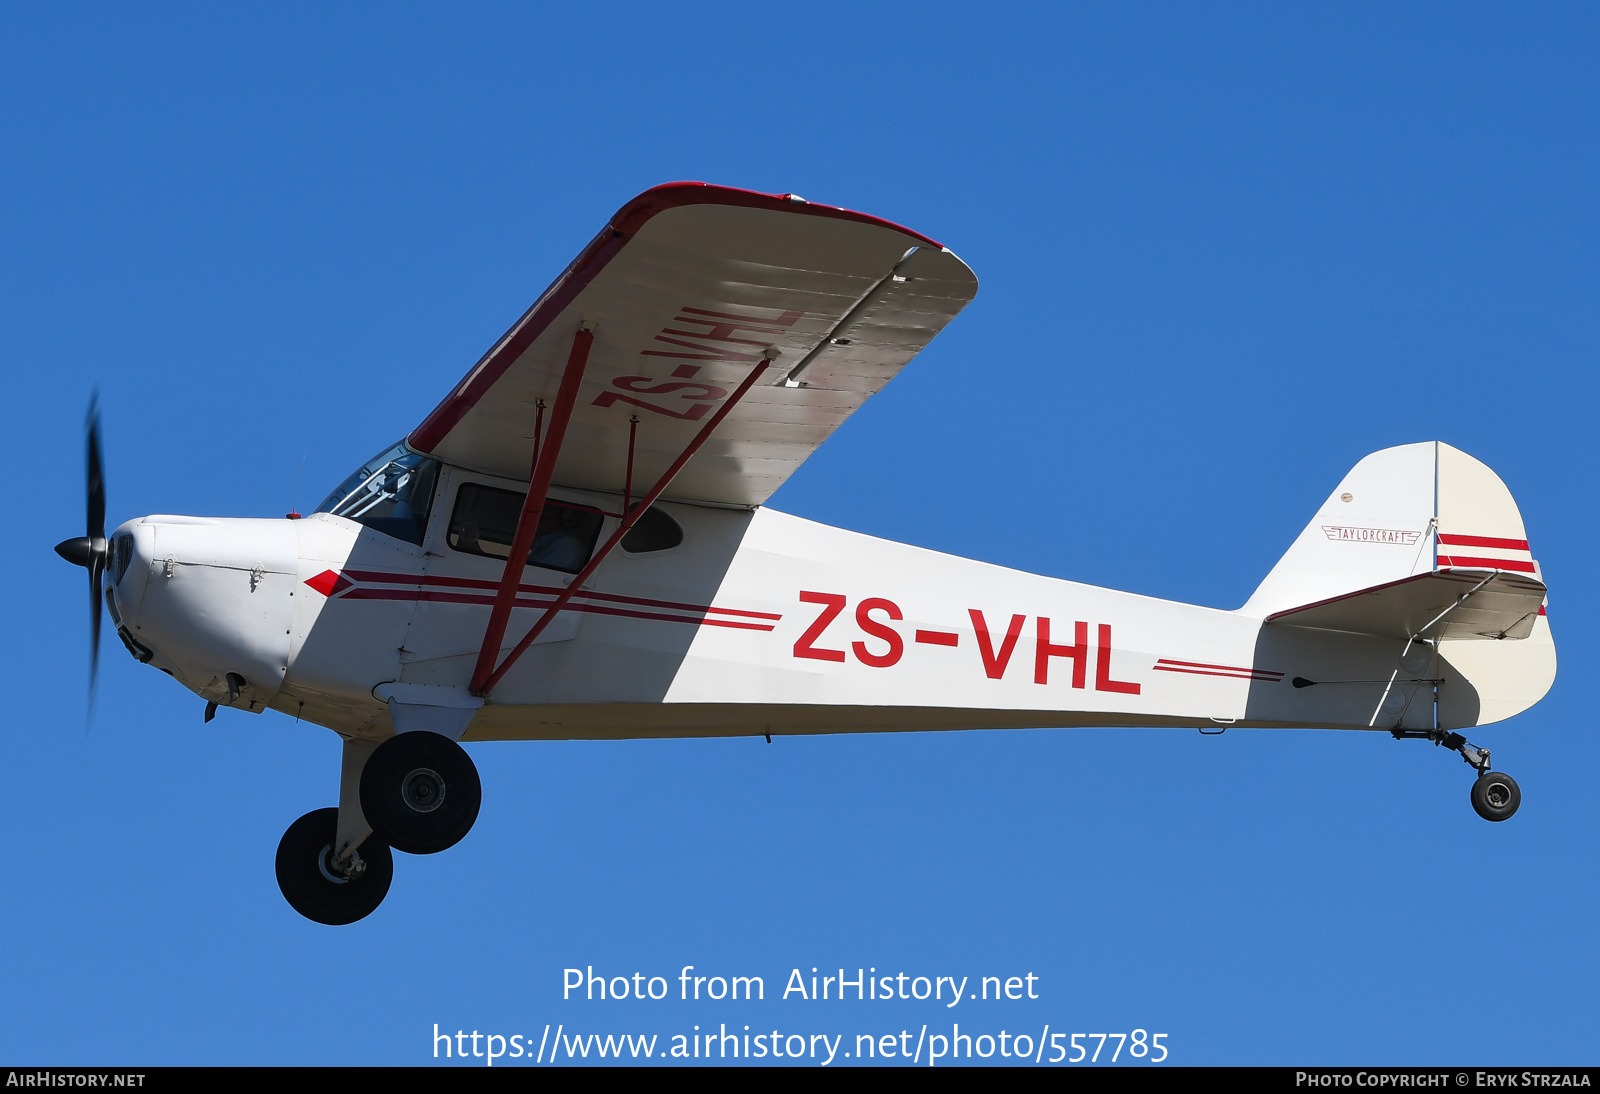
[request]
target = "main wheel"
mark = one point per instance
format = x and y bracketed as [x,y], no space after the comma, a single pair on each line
[420,792]
[314,888]
[1496,796]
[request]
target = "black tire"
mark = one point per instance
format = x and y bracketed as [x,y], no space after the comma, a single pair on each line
[1496,796]
[313,889]
[420,792]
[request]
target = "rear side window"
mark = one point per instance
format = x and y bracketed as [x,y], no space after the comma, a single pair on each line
[485,521]
[653,531]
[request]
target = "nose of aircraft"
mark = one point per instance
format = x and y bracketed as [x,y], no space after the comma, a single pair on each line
[128,554]
[208,600]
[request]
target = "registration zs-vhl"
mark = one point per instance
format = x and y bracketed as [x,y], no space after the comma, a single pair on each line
[573,544]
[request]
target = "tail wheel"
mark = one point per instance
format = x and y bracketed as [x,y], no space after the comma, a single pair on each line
[420,792]
[312,882]
[1496,796]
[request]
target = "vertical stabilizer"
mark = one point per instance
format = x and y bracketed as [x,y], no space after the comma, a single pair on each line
[1375,528]
[1425,509]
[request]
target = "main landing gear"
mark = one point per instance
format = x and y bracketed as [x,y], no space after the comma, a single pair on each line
[323,889]
[1495,795]
[420,792]
[417,792]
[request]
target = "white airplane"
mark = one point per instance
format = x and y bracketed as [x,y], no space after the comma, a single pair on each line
[573,545]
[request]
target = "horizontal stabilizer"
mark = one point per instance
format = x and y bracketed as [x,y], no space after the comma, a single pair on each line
[1451,603]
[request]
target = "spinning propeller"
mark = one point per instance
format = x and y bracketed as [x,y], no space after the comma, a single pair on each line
[89,551]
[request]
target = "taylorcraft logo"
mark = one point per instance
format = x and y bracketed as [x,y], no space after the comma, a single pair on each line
[1369,535]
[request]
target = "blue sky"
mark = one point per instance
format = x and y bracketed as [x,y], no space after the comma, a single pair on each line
[1225,251]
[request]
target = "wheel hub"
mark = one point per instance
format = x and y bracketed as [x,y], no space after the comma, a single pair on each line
[339,874]
[422,790]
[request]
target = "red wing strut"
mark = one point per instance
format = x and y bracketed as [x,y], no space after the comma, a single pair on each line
[515,561]
[664,330]
[532,507]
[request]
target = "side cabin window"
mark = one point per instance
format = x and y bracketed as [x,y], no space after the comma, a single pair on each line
[484,522]
[653,531]
[391,493]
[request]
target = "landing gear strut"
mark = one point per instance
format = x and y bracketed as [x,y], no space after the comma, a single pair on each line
[1495,796]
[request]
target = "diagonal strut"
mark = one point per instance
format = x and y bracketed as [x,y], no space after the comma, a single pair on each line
[628,520]
[544,467]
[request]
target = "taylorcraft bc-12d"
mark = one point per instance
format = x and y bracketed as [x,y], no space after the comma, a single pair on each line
[573,545]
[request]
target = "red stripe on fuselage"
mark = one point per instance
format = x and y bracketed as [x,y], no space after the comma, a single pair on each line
[1262,677]
[378,577]
[524,602]
[1224,668]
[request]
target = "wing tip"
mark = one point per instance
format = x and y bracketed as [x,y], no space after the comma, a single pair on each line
[670,195]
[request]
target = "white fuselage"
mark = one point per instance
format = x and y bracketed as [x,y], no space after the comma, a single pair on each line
[756,623]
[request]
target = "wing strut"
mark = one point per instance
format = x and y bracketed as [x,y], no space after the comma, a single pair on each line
[629,517]
[546,450]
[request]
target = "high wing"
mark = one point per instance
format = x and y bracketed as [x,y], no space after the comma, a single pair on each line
[686,289]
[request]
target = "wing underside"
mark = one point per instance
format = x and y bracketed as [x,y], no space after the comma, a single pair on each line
[687,290]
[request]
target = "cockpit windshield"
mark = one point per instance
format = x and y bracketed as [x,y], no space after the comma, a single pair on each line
[391,493]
